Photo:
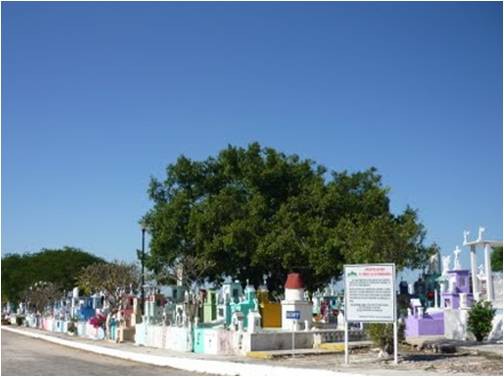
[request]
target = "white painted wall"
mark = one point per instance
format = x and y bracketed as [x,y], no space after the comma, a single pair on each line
[455,324]
[306,313]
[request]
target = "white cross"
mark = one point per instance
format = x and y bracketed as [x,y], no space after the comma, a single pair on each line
[456,261]
[480,233]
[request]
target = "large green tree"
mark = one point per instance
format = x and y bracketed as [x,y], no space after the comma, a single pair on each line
[58,266]
[254,211]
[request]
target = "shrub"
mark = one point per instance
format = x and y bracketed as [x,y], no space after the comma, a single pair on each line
[480,319]
[19,320]
[72,328]
[382,335]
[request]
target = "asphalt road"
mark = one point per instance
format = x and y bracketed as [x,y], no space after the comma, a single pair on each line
[22,355]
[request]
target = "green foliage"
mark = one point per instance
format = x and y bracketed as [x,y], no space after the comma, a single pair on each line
[59,266]
[382,335]
[480,319]
[72,328]
[403,303]
[249,212]
[496,259]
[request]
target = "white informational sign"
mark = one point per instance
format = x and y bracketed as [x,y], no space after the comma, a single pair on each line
[370,297]
[370,293]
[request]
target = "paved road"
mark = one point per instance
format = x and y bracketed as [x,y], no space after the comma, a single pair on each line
[23,356]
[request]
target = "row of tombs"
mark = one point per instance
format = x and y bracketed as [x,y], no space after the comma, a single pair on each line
[231,320]
[440,300]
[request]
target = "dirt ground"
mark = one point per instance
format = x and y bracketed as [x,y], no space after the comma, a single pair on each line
[411,362]
[460,363]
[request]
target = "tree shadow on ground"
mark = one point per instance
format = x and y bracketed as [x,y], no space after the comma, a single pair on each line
[432,357]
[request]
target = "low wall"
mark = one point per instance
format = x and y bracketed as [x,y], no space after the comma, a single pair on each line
[154,336]
[497,285]
[140,334]
[207,340]
[334,336]
[81,328]
[455,324]
[280,340]
[222,341]
[167,337]
[219,341]
[179,339]
[86,330]
[60,326]
[216,341]
[496,333]
[270,341]
[47,324]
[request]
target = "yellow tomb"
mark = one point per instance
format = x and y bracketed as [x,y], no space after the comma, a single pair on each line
[271,312]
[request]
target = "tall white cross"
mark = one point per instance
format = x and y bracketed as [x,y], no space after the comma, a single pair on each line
[456,260]
[466,235]
[481,230]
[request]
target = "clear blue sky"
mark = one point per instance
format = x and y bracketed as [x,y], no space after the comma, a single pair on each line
[97,97]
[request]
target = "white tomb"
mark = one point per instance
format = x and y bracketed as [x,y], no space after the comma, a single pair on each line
[297,312]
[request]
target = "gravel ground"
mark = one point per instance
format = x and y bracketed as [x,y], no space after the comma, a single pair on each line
[410,363]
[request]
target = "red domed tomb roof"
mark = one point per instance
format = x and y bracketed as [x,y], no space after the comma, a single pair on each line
[294,281]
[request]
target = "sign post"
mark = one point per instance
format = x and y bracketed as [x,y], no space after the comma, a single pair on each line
[395,342]
[370,297]
[346,342]
[295,315]
[294,325]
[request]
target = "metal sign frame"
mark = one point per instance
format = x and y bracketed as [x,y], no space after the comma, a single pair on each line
[393,290]
[394,297]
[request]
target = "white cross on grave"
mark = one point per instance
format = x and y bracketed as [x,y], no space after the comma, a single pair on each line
[456,260]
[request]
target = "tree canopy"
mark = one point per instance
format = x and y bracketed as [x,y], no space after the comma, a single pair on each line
[41,294]
[254,211]
[113,279]
[496,259]
[58,266]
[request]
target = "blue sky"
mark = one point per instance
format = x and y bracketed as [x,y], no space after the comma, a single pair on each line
[97,97]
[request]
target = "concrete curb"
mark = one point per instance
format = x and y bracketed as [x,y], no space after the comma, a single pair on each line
[188,364]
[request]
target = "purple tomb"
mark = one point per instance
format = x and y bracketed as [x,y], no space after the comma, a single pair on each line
[428,324]
[455,293]
[459,287]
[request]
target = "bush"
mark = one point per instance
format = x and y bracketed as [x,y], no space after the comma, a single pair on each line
[71,328]
[19,320]
[480,319]
[382,335]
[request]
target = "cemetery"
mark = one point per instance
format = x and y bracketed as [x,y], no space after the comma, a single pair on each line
[232,319]
[229,320]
